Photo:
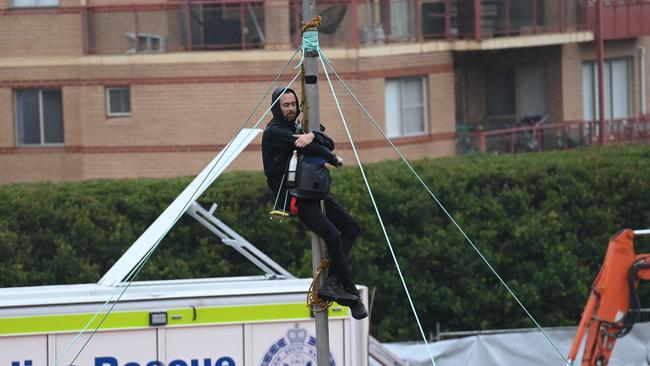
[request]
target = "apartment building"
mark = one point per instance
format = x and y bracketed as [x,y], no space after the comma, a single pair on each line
[154,88]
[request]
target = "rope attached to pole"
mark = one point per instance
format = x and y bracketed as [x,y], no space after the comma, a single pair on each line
[439,203]
[310,46]
[314,302]
[119,291]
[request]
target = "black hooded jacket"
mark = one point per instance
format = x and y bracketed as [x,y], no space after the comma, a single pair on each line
[278,144]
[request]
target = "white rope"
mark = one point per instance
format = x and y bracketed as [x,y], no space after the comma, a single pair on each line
[450,216]
[374,204]
[134,272]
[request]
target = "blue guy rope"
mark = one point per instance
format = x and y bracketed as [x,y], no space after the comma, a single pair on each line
[448,214]
[379,218]
[121,288]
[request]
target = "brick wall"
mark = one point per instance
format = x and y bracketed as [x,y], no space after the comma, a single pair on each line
[183,113]
[30,166]
[276,25]
[571,82]
[34,35]
[7,125]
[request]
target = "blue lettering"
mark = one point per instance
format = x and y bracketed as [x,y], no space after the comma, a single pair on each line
[112,361]
[224,361]
[101,361]
[17,363]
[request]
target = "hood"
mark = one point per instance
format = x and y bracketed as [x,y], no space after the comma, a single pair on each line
[277,113]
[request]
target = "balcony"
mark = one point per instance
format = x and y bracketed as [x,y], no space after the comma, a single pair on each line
[621,18]
[241,24]
[191,25]
[536,137]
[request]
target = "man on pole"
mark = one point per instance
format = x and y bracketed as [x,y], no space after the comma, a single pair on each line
[338,229]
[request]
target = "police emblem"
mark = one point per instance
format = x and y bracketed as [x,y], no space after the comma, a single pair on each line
[297,348]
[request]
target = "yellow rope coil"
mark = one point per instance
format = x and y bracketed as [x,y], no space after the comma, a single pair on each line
[314,302]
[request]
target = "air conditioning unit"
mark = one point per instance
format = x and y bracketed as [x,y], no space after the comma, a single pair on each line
[147,42]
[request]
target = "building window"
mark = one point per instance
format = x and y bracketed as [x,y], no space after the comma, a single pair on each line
[405,106]
[34,3]
[617,89]
[118,101]
[39,116]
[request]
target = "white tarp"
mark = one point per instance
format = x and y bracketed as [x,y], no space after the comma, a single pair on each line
[166,220]
[521,348]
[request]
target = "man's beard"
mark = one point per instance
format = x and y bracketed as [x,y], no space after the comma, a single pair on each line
[291,117]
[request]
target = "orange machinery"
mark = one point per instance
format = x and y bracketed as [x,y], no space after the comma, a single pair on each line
[613,305]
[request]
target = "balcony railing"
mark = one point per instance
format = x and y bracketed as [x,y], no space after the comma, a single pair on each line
[248,24]
[621,18]
[553,136]
[187,25]
[172,27]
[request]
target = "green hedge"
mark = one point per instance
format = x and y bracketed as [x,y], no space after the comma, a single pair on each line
[542,220]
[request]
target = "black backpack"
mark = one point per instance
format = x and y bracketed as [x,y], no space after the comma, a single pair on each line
[311,178]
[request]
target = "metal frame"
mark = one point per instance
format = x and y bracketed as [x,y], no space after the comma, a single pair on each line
[233,239]
[35,5]
[130,260]
[108,90]
[424,79]
[41,122]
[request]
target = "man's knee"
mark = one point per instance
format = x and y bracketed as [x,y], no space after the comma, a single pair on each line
[354,229]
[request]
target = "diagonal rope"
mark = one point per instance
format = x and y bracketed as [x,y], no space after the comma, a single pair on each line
[451,218]
[134,272]
[379,218]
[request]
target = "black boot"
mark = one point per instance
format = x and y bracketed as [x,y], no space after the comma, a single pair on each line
[332,291]
[358,309]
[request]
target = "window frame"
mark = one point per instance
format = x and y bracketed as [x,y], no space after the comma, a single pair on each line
[41,121]
[108,102]
[608,74]
[34,5]
[425,110]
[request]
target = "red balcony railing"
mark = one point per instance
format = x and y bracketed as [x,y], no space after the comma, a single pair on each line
[170,27]
[554,136]
[621,18]
[179,25]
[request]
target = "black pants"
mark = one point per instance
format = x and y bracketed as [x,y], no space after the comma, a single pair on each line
[337,228]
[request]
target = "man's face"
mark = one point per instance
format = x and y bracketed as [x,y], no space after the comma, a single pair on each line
[288,106]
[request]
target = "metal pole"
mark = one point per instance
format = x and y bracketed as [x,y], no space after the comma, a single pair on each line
[313,113]
[642,79]
[601,61]
[477,20]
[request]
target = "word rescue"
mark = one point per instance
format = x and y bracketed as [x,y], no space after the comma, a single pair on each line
[112,361]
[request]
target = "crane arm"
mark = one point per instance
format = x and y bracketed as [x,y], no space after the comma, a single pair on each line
[612,307]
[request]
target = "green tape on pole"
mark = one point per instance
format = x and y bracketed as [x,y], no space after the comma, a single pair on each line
[310,41]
